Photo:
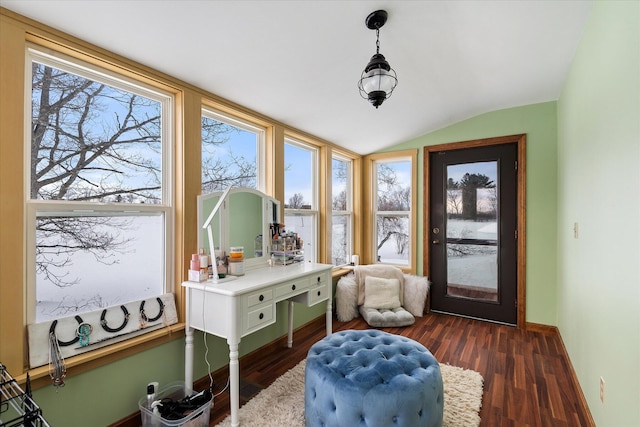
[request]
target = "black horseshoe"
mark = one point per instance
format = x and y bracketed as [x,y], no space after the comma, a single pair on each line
[52,330]
[103,321]
[153,319]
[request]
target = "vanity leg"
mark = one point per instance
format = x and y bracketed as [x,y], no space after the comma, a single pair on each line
[329,317]
[290,338]
[188,358]
[234,384]
[188,345]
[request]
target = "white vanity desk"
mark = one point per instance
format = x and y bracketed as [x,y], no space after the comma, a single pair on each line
[234,308]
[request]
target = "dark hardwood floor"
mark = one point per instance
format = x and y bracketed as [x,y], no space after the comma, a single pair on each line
[527,378]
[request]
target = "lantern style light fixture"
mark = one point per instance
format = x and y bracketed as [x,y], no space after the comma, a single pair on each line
[378,80]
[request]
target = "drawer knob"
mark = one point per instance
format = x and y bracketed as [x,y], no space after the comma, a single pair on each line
[261,298]
[261,316]
[318,278]
[293,287]
[319,292]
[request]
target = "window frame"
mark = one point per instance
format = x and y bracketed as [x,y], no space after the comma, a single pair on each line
[314,212]
[261,131]
[188,101]
[349,212]
[99,71]
[370,240]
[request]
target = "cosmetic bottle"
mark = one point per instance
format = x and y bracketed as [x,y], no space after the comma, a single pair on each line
[204,260]
[195,262]
[196,272]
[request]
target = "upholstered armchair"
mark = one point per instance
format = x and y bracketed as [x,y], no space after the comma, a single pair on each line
[383,295]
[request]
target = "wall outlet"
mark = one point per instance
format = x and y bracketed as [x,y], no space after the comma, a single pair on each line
[601,389]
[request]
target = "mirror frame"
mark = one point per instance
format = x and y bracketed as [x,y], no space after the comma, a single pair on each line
[222,211]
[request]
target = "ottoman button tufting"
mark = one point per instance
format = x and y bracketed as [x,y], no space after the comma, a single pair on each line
[372,378]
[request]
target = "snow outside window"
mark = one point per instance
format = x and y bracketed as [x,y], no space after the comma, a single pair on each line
[392,211]
[300,191]
[99,189]
[342,210]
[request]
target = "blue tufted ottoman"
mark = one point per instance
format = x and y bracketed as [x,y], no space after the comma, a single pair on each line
[372,378]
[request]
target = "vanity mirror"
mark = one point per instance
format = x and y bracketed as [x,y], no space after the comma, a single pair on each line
[238,217]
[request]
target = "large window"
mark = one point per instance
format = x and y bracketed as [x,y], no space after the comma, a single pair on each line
[394,230]
[232,153]
[301,194]
[99,189]
[342,210]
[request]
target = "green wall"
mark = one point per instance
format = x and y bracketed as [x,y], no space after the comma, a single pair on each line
[539,123]
[599,189]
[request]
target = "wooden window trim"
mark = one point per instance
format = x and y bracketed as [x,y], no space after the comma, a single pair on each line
[16,40]
[16,32]
[368,221]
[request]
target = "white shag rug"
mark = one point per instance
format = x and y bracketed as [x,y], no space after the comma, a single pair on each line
[282,403]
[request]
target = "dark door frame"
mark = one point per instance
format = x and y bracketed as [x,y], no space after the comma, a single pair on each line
[521,140]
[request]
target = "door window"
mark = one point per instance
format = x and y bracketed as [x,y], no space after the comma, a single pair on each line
[472,237]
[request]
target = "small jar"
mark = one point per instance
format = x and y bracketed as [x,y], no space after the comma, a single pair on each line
[236,252]
[236,266]
[236,261]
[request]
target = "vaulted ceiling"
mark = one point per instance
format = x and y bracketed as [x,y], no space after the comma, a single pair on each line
[299,61]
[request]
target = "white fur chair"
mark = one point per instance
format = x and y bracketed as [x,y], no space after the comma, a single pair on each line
[383,295]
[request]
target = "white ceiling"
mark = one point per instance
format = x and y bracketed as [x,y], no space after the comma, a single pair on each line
[299,61]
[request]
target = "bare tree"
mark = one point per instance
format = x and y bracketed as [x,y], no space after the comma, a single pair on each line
[340,201]
[339,169]
[493,199]
[221,170]
[296,201]
[91,142]
[454,197]
[392,227]
[76,154]
[392,196]
[80,154]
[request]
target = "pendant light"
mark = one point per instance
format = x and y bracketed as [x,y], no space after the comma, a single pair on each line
[378,80]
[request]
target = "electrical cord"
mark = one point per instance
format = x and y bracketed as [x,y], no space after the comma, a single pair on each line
[206,350]
[222,391]
[204,338]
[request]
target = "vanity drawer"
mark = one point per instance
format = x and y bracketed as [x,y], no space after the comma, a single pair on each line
[260,297]
[314,295]
[260,317]
[317,279]
[317,294]
[293,287]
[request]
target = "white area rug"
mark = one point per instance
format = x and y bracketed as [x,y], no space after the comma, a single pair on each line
[282,403]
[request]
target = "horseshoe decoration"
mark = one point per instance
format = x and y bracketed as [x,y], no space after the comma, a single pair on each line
[52,330]
[143,315]
[103,321]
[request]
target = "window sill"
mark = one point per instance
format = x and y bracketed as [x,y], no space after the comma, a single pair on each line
[344,270]
[84,362]
[341,271]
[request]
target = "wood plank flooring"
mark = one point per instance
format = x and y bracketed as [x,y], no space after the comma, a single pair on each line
[527,378]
